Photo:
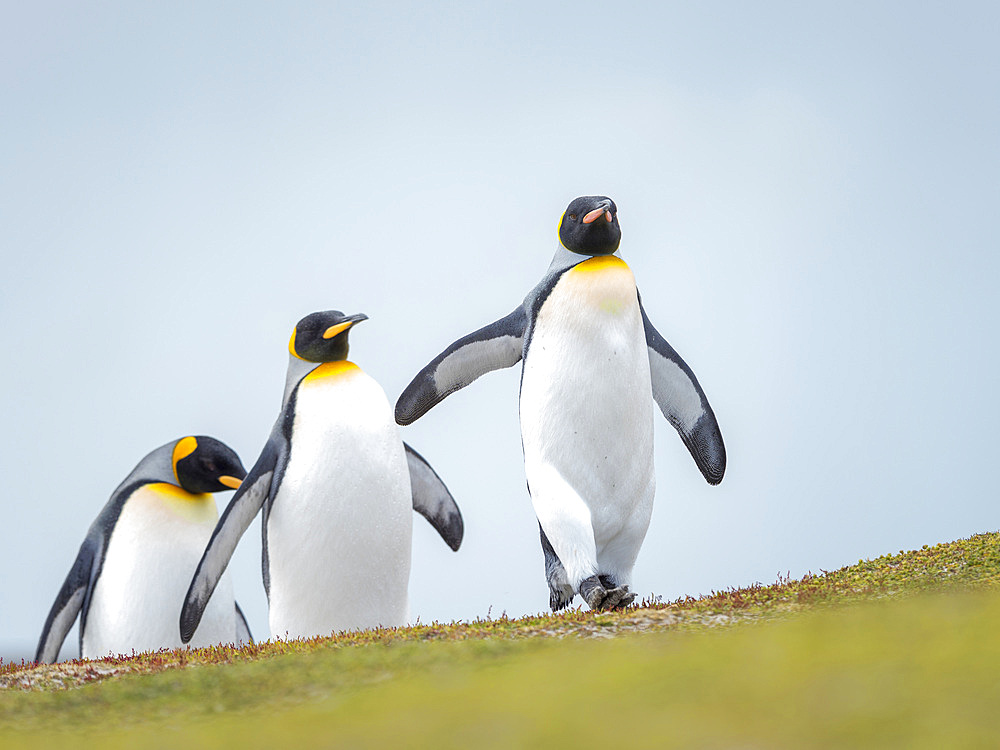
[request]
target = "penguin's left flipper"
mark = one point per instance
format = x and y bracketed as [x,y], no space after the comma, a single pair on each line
[433,501]
[68,603]
[684,404]
[236,518]
[243,636]
[492,347]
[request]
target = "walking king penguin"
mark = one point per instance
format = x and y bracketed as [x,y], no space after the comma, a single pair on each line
[132,570]
[591,360]
[337,486]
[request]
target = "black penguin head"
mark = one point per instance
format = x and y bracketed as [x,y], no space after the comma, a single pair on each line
[590,226]
[204,464]
[322,336]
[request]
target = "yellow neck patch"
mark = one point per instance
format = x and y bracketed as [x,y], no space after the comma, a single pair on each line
[184,448]
[604,283]
[194,508]
[333,369]
[600,263]
[173,492]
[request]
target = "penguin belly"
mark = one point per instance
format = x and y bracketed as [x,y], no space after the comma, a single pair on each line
[587,420]
[151,556]
[339,529]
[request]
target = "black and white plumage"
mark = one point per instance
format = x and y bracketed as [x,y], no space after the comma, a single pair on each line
[592,360]
[133,567]
[337,487]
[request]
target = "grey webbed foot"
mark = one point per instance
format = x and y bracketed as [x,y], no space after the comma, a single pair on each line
[602,593]
[593,592]
[618,598]
[625,598]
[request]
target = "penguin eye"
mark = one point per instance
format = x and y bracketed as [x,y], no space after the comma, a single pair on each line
[572,217]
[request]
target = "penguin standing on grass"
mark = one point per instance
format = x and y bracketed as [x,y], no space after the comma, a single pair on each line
[593,365]
[134,566]
[337,487]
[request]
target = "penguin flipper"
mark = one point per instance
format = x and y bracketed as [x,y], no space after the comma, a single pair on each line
[492,347]
[243,636]
[560,591]
[236,518]
[433,501]
[68,603]
[684,404]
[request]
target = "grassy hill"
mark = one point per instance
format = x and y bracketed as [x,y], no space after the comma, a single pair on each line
[898,651]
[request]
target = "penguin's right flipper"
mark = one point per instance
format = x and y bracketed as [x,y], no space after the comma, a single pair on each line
[235,520]
[492,347]
[243,636]
[68,603]
[433,501]
[678,394]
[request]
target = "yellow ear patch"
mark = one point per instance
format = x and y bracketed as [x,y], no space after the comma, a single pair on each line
[184,448]
[291,346]
[332,331]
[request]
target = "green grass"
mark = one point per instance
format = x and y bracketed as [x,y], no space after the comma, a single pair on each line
[900,651]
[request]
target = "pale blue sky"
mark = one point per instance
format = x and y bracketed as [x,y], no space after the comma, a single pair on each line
[808,199]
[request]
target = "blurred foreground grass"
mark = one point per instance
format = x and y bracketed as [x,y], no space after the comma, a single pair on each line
[900,651]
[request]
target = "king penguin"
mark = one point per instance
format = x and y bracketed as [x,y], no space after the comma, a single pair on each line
[593,366]
[133,568]
[337,485]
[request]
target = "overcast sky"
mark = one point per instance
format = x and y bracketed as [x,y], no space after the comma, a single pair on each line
[808,198]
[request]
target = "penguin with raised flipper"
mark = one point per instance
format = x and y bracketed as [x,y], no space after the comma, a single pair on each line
[133,568]
[592,359]
[337,487]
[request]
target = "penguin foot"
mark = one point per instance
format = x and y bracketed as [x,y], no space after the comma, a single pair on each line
[618,598]
[599,596]
[593,592]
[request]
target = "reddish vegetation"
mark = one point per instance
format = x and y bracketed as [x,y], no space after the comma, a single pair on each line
[967,562]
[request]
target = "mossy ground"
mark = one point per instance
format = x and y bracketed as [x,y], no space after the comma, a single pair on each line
[912,661]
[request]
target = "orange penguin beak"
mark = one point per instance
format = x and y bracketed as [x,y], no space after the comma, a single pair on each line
[596,214]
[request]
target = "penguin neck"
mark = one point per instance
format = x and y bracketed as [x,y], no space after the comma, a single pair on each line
[193,507]
[300,369]
[564,259]
[156,466]
[175,492]
[332,369]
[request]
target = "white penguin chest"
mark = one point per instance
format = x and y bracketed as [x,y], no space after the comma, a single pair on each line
[339,527]
[586,404]
[151,556]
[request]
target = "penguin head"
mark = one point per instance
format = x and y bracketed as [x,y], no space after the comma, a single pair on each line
[589,226]
[322,336]
[204,464]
